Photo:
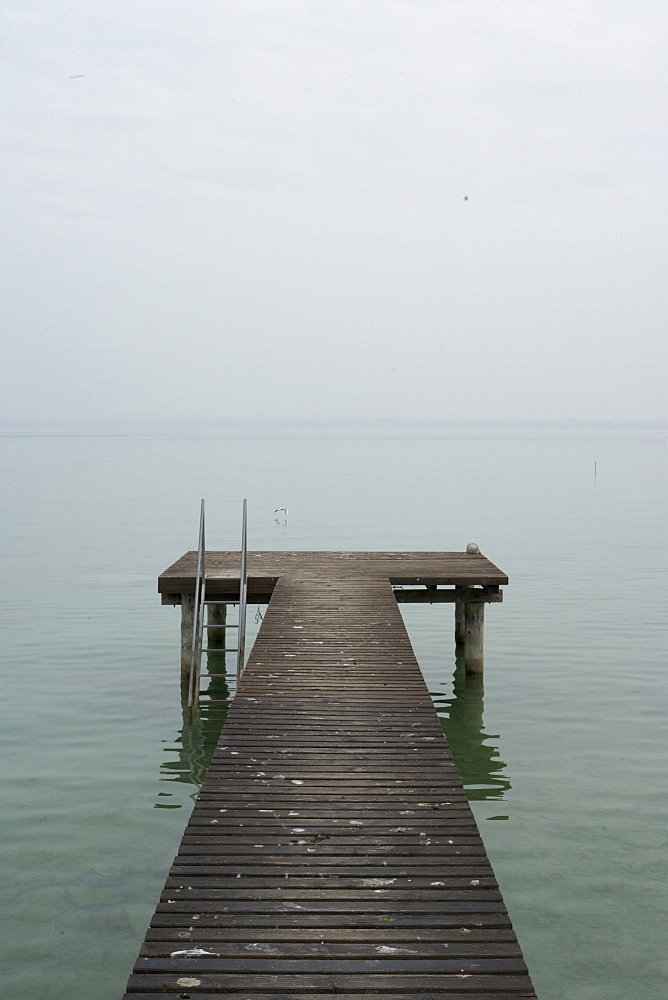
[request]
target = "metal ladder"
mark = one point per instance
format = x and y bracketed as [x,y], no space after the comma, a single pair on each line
[201,602]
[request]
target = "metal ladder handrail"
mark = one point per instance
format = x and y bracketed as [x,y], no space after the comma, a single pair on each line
[200,604]
[198,616]
[243,593]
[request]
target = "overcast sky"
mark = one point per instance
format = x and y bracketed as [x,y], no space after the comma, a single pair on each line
[367,208]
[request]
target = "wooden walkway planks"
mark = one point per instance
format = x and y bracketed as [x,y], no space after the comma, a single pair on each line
[331,849]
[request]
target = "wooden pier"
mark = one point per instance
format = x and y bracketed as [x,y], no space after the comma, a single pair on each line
[332,849]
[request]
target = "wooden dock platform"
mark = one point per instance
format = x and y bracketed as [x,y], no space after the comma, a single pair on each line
[413,569]
[331,849]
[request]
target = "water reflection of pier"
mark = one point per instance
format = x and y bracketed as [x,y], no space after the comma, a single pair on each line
[200,731]
[478,762]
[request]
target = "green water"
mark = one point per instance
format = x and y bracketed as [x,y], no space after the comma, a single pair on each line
[562,751]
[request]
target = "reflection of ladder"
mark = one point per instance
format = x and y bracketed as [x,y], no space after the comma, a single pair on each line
[201,602]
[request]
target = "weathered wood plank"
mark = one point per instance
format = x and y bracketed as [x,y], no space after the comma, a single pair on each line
[329,982]
[165,930]
[280,994]
[471,993]
[197,918]
[226,948]
[252,963]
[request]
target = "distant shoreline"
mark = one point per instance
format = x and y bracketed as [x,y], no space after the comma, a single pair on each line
[147,425]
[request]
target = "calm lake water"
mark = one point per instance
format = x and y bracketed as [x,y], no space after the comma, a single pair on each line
[563,753]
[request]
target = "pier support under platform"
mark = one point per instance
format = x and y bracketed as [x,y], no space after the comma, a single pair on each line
[187,621]
[216,617]
[460,619]
[474,656]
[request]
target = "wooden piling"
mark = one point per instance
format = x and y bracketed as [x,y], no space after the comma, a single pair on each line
[474,656]
[460,620]
[216,620]
[187,621]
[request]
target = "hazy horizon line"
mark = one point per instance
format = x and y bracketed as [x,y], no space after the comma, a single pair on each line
[35,425]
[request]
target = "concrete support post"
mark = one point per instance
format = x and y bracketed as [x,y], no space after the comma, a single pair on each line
[460,626]
[187,622]
[216,615]
[474,655]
